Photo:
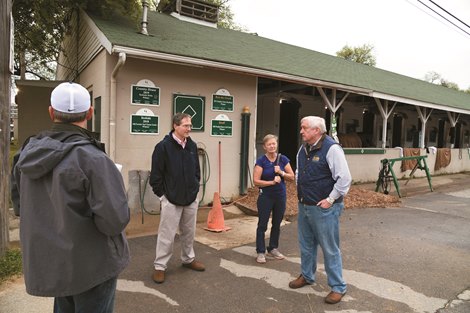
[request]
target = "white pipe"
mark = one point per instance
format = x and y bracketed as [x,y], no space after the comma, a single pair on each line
[144,18]
[113,105]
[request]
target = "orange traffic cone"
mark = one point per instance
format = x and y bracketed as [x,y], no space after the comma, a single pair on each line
[215,219]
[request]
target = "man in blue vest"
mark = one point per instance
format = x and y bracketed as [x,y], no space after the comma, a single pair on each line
[323,179]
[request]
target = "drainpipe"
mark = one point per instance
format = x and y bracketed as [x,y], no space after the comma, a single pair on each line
[244,149]
[113,105]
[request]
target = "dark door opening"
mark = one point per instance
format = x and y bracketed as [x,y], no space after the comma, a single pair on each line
[368,119]
[440,136]
[458,136]
[289,130]
[97,119]
[89,124]
[397,131]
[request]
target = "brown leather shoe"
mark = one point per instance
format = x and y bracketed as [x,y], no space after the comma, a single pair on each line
[195,265]
[158,276]
[298,282]
[334,297]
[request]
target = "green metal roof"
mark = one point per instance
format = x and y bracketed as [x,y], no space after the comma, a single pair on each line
[172,36]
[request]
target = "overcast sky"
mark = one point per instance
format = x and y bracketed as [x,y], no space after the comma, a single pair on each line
[408,38]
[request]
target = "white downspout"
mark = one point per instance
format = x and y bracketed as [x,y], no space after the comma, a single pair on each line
[113,105]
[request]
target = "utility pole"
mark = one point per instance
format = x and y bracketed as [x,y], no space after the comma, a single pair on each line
[5,93]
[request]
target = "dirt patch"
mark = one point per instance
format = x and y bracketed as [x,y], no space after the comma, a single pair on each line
[357,197]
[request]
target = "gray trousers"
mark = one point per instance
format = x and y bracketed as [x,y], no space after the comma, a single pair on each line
[173,217]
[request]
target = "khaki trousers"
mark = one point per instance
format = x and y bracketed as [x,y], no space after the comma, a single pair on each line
[172,218]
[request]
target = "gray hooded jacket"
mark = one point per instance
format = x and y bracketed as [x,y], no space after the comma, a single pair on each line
[73,211]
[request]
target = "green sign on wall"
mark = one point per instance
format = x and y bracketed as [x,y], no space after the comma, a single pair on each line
[192,105]
[145,95]
[144,124]
[222,103]
[221,128]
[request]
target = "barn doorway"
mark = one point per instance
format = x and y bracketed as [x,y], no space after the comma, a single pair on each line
[289,129]
[397,131]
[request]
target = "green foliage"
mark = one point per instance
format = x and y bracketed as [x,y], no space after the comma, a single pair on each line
[362,54]
[10,264]
[226,15]
[436,78]
[449,84]
[40,26]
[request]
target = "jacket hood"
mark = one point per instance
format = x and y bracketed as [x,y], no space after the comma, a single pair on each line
[41,155]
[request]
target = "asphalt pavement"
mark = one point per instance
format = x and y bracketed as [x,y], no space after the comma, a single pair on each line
[412,258]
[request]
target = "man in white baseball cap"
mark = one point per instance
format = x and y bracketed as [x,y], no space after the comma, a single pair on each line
[70,98]
[73,210]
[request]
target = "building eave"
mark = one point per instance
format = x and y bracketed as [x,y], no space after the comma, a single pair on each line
[399,99]
[171,58]
[99,34]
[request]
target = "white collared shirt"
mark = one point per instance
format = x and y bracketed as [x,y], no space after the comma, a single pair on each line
[181,142]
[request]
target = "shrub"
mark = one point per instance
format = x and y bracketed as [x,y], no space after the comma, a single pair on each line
[10,264]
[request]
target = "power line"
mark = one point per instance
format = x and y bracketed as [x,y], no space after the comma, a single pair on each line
[427,13]
[468,33]
[449,13]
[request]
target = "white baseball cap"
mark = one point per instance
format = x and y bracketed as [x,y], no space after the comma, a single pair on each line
[70,98]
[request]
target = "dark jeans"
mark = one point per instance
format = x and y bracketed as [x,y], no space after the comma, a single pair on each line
[99,299]
[266,205]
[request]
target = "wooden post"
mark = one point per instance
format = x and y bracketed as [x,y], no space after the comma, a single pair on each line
[5,8]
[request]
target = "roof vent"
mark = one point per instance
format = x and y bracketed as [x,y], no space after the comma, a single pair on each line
[145,7]
[196,11]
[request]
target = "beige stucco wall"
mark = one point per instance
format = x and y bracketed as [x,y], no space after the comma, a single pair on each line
[95,79]
[366,167]
[134,151]
[33,100]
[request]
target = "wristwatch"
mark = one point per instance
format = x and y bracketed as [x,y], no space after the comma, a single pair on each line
[330,200]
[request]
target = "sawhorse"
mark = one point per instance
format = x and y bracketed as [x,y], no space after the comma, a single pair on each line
[387,174]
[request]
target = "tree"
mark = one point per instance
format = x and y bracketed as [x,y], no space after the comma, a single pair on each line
[433,77]
[449,84]
[40,26]
[5,9]
[226,16]
[436,78]
[362,54]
